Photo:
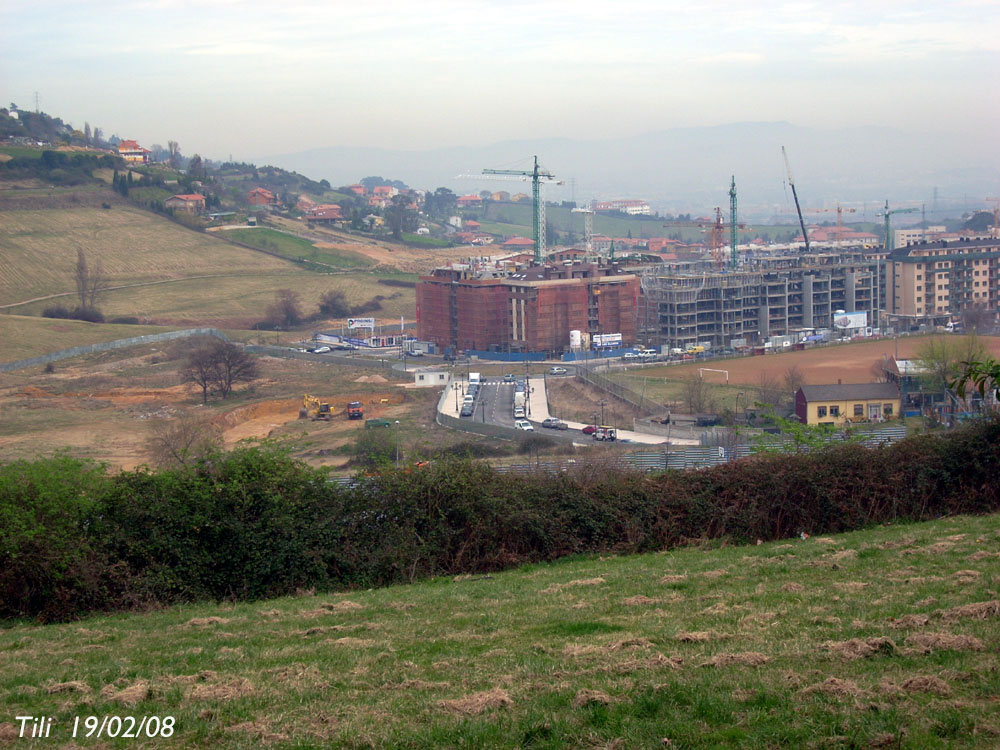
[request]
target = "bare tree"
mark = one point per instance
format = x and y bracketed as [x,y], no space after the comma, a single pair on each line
[285,312]
[698,395]
[218,366]
[174,151]
[90,282]
[769,390]
[233,365]
[794,379]
[184,441]
[334,304]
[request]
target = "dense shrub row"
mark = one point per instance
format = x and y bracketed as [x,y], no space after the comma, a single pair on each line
[254,523]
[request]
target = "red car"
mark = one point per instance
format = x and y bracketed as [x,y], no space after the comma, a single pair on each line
[590,429]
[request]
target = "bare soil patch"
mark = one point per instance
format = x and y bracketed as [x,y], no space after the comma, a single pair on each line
[928,642]
[862,648]
[835,687]
[746,658]
[586,697]
[577,401]
[976,611]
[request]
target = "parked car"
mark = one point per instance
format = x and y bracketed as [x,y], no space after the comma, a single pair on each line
[518,412]
[468,410]
[590,429]
[320,349]
[630,355]
[557,371]
[508,378]
[555,424]
[523,424]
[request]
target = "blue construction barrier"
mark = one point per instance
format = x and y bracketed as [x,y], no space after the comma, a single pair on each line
[507,356]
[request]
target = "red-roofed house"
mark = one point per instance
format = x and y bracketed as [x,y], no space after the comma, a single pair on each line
[192,202]
[516,242]
[357,189]
[261,197]
[571,253]
[328,214]
[133,153]
[469,201]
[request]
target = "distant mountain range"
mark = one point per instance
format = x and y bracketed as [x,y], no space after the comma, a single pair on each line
[689,169]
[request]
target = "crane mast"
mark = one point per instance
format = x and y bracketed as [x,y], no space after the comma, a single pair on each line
[795,195]
[537,176]
[732,223]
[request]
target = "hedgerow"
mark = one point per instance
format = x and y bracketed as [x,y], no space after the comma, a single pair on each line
[254,523]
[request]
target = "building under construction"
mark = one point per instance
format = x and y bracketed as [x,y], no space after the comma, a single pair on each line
[771,297]
[484,305]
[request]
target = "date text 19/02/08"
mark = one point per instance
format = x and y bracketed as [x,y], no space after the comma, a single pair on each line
[100,726]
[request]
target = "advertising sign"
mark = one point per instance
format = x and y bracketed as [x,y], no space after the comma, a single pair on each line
[844,321]
[361,323]
[607,340]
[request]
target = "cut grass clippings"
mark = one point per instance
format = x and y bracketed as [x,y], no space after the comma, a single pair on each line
[666,652]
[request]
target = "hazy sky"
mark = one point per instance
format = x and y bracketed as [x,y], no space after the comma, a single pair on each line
[249,78]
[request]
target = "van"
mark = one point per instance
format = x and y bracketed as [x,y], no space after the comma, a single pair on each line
[695,349]
[474,378]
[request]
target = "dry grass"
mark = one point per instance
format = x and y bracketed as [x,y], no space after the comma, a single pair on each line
[478,703]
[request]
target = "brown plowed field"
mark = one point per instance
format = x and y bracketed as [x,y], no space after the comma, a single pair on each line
[849,363]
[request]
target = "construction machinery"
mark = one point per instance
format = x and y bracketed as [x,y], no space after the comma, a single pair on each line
[315,409]
[840,217]
[795,195]
[538,177]
[355,410]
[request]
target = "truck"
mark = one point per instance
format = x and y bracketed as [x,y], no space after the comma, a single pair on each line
[519,398]
[604,432]
[355,410]
[474,378]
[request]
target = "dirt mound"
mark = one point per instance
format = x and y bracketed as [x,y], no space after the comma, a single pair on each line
[586,697]
[478,703]
[747,658]
[862,648]
[835,687]
[976,611]
[928,642]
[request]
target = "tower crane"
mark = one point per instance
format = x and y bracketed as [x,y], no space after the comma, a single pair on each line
[588,227]
[840,217]
[717,230]
[795,195]
[538,177]
[888,249]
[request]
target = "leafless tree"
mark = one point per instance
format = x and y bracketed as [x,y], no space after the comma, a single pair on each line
[174,151]
[769,390]
[794,379]
[698,395]
[218,366]
[285,312]
[179,442]
[977,318]
[90,282]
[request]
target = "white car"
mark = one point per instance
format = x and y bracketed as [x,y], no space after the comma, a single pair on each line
[557,371]
[523,424]
[321,350]
[630,355]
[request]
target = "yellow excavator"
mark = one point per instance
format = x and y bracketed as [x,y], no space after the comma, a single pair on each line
[315,409]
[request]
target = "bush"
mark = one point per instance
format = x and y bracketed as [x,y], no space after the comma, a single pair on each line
[49,567]
[254,523]
[56,311]
[125,320]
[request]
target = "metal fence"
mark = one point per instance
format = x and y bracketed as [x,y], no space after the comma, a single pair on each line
[106,346]
[369,363]
[619,391]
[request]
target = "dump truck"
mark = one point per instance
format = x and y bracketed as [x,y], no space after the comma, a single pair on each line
[355,410]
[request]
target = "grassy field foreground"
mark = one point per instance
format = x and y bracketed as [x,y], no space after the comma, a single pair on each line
[882,638]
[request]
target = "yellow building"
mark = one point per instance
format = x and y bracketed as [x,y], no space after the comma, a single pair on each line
[854,402]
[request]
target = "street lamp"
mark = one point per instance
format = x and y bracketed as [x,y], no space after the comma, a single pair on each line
[738,395]
[397,443]
[603,402]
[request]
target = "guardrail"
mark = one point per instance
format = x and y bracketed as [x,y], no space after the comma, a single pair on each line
[330,359]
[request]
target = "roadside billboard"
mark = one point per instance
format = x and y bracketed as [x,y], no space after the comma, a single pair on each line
[361,323]
[846,321]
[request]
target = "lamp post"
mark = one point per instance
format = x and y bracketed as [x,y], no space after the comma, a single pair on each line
[397,443]
[603,402]
[737,415]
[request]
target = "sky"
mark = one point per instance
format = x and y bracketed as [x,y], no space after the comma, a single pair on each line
[249,78]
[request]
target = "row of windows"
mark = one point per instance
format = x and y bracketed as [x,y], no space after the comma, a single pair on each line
[859,410]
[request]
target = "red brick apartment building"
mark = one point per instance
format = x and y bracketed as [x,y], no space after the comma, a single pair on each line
[532,309]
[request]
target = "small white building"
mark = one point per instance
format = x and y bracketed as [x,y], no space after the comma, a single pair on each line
[428,378]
